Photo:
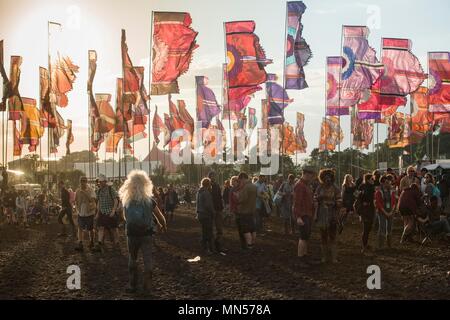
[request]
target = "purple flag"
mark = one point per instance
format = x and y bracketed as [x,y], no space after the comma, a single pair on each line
[278,100]
[207,106]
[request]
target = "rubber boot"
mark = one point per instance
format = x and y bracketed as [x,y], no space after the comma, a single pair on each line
[333,253]
[148,276]
[133,279]
[324,253]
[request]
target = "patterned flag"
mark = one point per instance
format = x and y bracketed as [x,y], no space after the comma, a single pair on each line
[141,110]
[97,137]
[399,130]
[362,131]
[15,101]
[264,114]
[360,68]
[187,119]
[56,133]
[31,129]
[17,144]
[173,47]
[7,90]
[62,69]
[131,82]
[158,127]
[403,72]
[439,87]
[334,103]
[106,118]
[290,146]
[207,106]
[246,59]
[47,110]
[302,144]
[421,119]
[278,100]
[70,137]
[298,52]
[330,134]
[112,141]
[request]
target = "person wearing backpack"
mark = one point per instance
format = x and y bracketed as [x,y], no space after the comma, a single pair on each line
[141,214]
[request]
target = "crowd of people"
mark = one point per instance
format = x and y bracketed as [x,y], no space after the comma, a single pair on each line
[311,200]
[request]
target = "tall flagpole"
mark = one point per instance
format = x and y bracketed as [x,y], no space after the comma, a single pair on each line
[125,127]
[150,66]
[227,82]
[284,87]
[339,109]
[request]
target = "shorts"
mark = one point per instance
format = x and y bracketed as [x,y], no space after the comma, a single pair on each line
[305,229]
[106,221]
[86,223]
[246,223]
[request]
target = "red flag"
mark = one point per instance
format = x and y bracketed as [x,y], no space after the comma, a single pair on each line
[439,94]
[131,79]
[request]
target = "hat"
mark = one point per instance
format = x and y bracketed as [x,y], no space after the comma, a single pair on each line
[101,178]
[308,169]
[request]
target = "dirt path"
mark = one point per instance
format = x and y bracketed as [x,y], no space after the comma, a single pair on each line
[33,264]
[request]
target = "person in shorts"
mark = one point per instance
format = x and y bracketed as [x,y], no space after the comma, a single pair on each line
[303,210]
[107,204]
[86,207]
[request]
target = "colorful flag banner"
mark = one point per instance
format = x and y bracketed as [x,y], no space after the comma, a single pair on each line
[362,131]
[15,101]
[264,114]
[245,59]
[131,81]
[70,137]
[298,52]
[330,134]
[278,100]
[252,119]
[47,110]
[334,104]
[31,129]
[56,133]
[17,143]
[302,144]
[399,132]
[439,81]
[360,68]
[174,42]
[185,117]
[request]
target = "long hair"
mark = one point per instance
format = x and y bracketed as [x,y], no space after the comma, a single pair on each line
[346,177]
[138,187]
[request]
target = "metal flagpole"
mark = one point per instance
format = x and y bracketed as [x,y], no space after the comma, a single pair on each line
[339,109]
[125,127]
[150,123]
[284,86]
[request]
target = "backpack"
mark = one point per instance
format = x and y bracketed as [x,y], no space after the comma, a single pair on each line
[139,219]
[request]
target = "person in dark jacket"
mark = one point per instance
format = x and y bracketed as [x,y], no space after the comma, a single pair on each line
[66,210]
[205,214]
[366,208]
[409,205]
[216,192]
[170,202]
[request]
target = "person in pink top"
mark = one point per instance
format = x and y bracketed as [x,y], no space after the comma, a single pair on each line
[303,210]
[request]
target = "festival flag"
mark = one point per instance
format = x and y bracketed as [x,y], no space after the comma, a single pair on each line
[56,133]
[362,131]
[97,137]
[112,141]
[278,100]
[120,117]
[131,81]
[302,144]
[264,114]
[170,128]
[174,42]
[421,119]
[15,101]
[290,146]
[7,90]
[439,82]
[106,120]
[298,52]
[70,137]
[47,110]
[246,59]
[207,106]
[403,73]
[141,110]
[17,144]
[187,119]
[334,103]
[330,134]
[361,68]
[399,130]
[31,129]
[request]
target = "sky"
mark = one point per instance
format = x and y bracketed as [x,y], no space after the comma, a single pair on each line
[97,24]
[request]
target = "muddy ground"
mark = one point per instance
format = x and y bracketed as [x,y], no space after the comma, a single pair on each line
[34,261]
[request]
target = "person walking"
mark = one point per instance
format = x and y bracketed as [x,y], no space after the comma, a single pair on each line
[348,191]
[409,179]
[328,202]
[205,215]
[170,202]
[85,204]
[141,215]
[262,205]
[303,210]
[246,210]
[216,193]
[365,208]
[66,210]
[286,191]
